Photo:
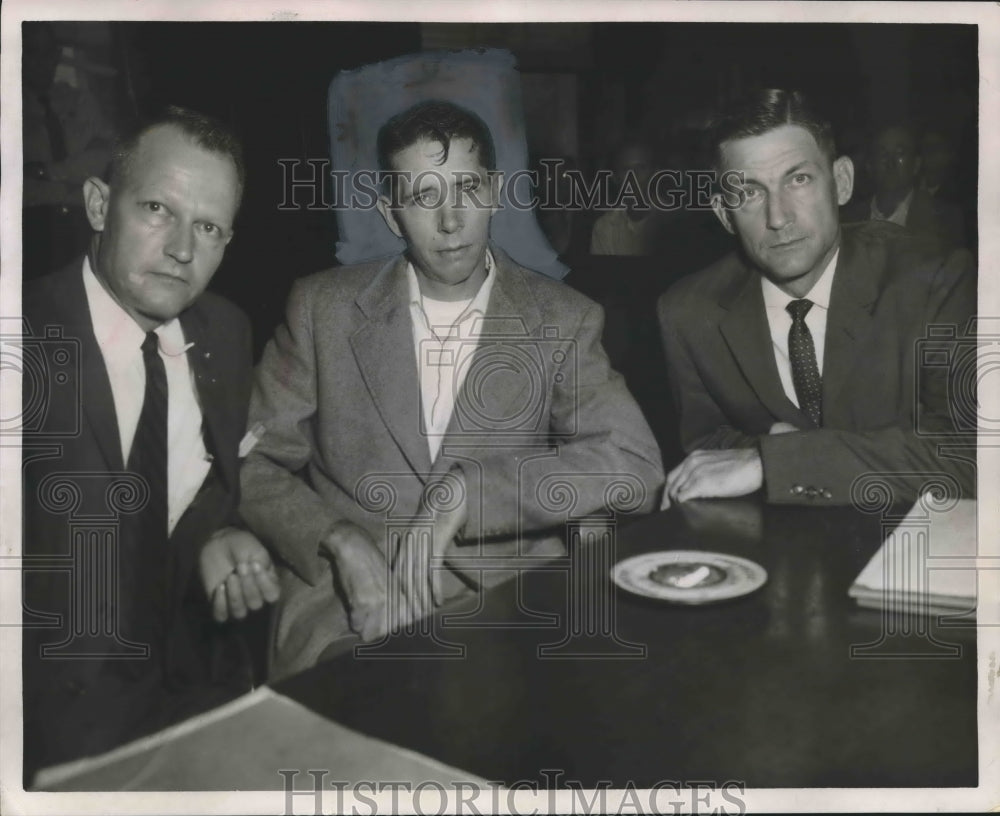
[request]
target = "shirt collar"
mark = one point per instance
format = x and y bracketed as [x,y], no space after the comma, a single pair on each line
[114,328]
[478,302]
[897,216]
[775,298]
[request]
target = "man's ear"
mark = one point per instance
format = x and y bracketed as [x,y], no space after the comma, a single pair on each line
[385,208]
[723,213]
[96,200]
[843,176]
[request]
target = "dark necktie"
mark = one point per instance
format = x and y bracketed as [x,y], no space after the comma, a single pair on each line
[148,457]
[144,577]
[802,354]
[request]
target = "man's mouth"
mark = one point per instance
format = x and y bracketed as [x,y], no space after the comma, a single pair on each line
[794,242]
[169,277]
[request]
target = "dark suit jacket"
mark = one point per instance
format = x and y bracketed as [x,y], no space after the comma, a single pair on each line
[76,490]
[887,403]
[931,217]
[337,392]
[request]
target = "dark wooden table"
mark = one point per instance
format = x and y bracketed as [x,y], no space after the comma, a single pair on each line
[764,689]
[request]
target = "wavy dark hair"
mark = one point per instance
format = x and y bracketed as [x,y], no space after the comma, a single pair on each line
[438,121]
[764,110]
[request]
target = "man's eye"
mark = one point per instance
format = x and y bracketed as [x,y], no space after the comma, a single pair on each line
[210,229]
[154,207]
[751,194]
[801,178]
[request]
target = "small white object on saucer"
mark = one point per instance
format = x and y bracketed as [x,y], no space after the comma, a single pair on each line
[688,576]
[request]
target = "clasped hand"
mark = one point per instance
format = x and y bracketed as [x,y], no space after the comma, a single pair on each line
[237,574]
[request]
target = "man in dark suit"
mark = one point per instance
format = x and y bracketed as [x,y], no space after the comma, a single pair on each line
[797,364]
[895,165]
[446,392]
[130,448]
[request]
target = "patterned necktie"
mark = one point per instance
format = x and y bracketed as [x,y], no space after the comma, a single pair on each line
[802,354]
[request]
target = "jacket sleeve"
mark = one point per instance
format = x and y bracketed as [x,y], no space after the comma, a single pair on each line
[603,454]
[276,501]
[824,465]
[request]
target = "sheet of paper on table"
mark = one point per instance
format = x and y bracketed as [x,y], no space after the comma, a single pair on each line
[242,746]
[926,564]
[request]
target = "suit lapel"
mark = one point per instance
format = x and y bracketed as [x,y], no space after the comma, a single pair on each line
[99,405]
[745,329]
[920,217]
[383,348]
[212,395]
[70,301]
[849,320]
[511,313]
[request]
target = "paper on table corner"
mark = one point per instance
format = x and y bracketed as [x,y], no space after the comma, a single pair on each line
[928,553]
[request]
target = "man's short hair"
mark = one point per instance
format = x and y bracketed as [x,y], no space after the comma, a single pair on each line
[762,111]
[435,121]
[207,132]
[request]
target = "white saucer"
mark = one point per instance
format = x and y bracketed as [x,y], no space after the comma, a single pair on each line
[688,576]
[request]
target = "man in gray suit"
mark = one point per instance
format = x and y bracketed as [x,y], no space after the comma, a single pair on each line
[421,412]
[818,355]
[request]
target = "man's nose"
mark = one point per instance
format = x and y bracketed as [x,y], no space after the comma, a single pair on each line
[180,243]
[450,216]
[778,211]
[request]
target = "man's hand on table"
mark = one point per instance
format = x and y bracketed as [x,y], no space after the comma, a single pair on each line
[718,474]
[445,502]
[363,573]
[237,574]
[707,474]
[367,579]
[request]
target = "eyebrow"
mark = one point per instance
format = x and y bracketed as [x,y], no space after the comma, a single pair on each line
[457,177]
[805,163]
[413,192]
[802,164]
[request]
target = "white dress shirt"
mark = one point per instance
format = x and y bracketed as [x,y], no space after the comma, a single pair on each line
[898,216]
[120,340]
[445,336]
[780,322]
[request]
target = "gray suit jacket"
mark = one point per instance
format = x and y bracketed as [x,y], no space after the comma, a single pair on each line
[543,428]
